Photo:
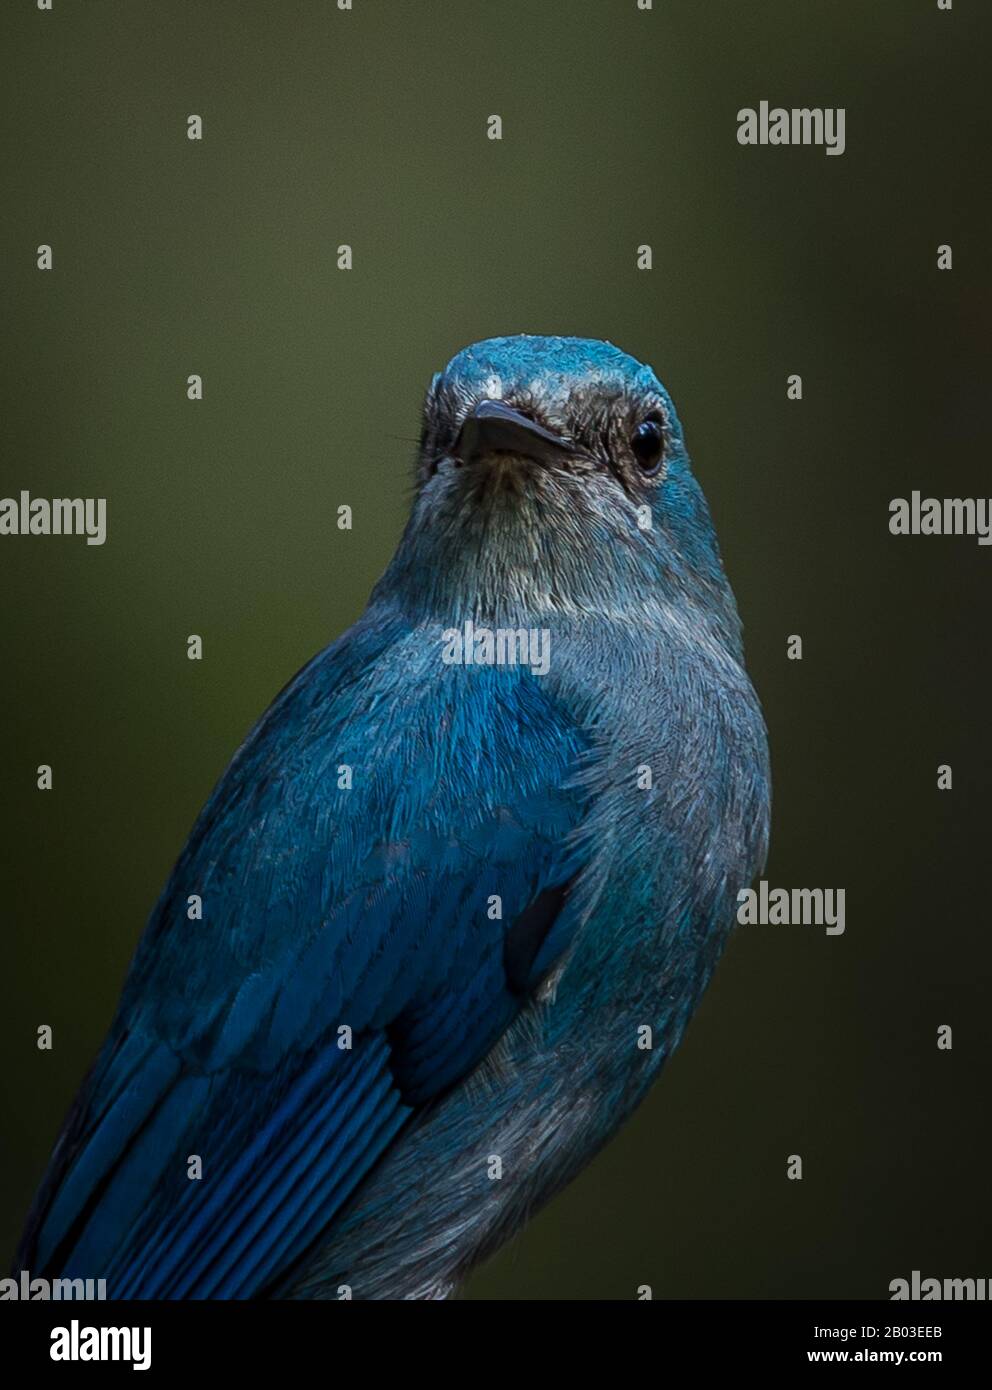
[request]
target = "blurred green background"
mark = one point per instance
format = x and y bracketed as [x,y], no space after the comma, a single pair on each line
[219,257]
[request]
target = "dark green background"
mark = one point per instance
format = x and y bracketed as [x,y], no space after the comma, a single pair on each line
[368,127]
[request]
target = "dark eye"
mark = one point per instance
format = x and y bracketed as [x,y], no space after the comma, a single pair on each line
[647,444]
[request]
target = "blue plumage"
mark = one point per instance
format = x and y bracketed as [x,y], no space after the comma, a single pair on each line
[439,899]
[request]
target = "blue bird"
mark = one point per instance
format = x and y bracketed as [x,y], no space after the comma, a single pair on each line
[462,886]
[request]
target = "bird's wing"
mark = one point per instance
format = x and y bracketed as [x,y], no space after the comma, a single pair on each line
[351,962]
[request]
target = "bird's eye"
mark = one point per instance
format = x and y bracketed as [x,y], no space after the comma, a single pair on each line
[647,444]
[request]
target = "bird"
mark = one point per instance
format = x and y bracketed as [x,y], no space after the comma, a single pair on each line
[457,905]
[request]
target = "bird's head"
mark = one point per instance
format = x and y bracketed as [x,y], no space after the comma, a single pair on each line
[553,476]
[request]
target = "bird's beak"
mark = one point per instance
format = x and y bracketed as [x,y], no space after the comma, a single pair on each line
[495,428]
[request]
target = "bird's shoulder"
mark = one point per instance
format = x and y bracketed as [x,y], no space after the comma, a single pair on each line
[387,815]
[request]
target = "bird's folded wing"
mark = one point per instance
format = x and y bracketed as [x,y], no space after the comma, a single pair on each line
[383,877]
